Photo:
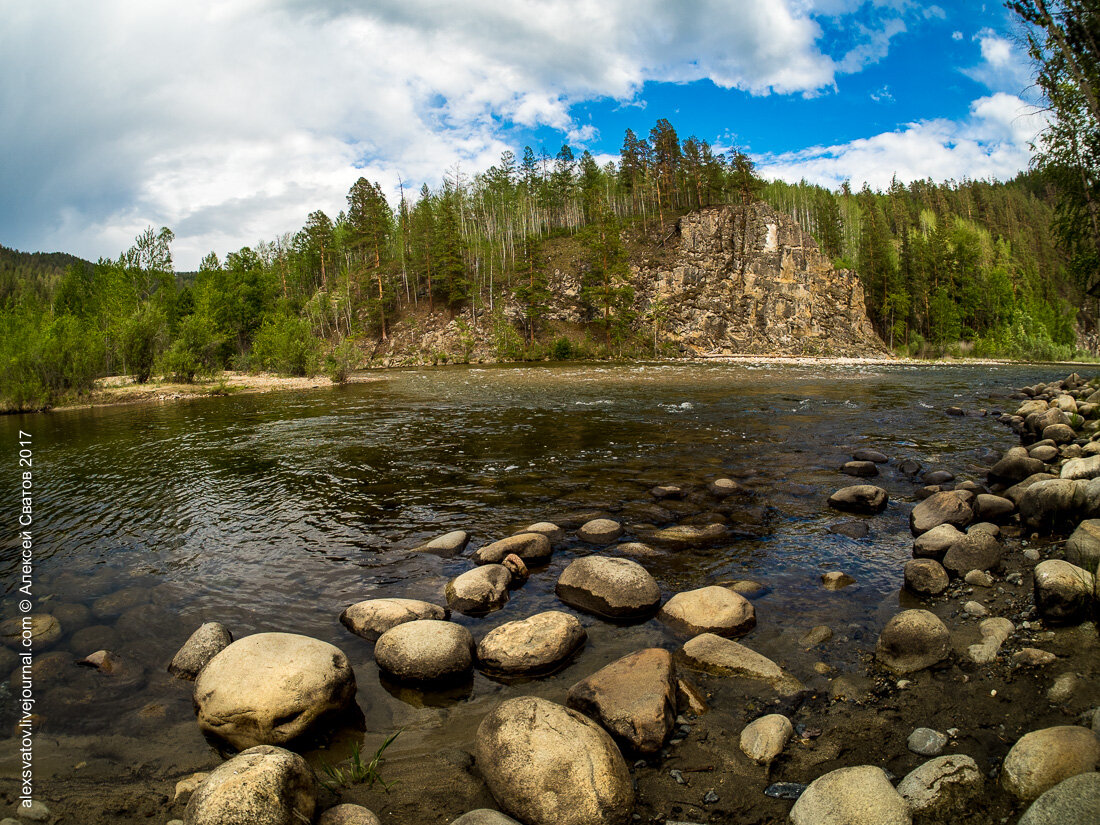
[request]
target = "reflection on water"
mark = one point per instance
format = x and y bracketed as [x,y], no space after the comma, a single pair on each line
[274,512]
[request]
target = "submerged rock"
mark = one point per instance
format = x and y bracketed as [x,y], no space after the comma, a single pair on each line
[371,618]
[425,650]
[203,645]
[687,536]
[724,487]
[911,641]
[867,454]
[612,587]
[44,631]
[709,610]
[1041,759]
[539,644]
[851,796]
[263,784]
[725,657]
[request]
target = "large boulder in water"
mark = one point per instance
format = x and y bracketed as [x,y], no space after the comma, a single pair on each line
[851,796]
[373,617]
[941,508]
[539,644]
[426,650]
[548,765]
[271,688]
[263,784]
[709,610]
[860,498]
[1041,759]
[611,587]
[913,640]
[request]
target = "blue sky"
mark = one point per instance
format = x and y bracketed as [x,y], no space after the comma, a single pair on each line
[230,121]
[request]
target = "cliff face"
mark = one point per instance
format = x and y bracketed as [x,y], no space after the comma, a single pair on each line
[750,280]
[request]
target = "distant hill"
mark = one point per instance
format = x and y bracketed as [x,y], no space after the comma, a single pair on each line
[30,275]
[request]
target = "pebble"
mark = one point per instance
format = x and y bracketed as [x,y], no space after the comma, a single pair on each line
[1033,657]
[37,812]
[679,777]
[979,578]
[1063,688]
[710,797]
[1031,554]
[785,790]
[927,742]
[975,609]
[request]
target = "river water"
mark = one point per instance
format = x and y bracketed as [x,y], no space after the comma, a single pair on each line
[276,511]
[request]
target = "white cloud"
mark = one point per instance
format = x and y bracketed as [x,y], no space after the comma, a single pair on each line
[956,35]
[1004,66]
[991,143]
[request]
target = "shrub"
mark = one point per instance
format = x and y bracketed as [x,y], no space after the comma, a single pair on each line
[561,350]
[194,352]
[143,338]
[285,345]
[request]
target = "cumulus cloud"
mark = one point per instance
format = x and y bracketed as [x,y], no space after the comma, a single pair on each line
[992,143]
[1004,65]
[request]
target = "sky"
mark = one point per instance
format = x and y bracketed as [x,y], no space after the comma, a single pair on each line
[230,121]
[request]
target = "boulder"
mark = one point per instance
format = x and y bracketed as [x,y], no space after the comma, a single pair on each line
[371,618]
[860,498]
[1081,468]
[548,765]
[449,544]
[725,657]
[634,698]
[1073,801]
[663,491]
[940,508]
[977,550]
[1058,502]
[485,816]
[763,739]
[545,528]
[479,591]
[600,531]
[943,789]
[1060,433]
[866,454]
[709,610]
[687,536]
[724,487]
[348,815]
[262,784]
[44,631]
[936,542]
[1083,547]
[1041,759]
[271,688]
[988,507]
[612,587]
[836,580]
[533,548]
[425,650]
[851,796]
[925,577]
[1016,465]
[861,469]
[1051,417]
[1063,592]
[911,641]
[203,645]
[539,644]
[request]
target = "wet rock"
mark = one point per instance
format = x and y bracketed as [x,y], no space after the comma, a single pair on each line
[425,650]
[96,637]
[851,796]
[1015,466]
[637,550]
[836,580]
[533,548]
[1063,688]
[909,467]
[634,698]
[851,529]
[925,577]
[725,657]
[270,688]
[1073,801]
[348,815]
[861,469]
[977,550]
[262,784]
[687,536]
[911,641]
[73,617]
[926,742]
[816,636]
[1063,592]
[201,646]
[612,587]
[936,542]
[725,487]
[545,528]
[51,668]
[993,508]
[860,498]
[1083,547]
[539,644]
[373,617]
[1060,433]
[709,610]
[1081,468]
[44,631]
[943,789]
[447,545]
[114,604]
[746,587]
[548,765]
[941,508]
[866,454]
[479,591]
[663,491]
[1041,759]
[1033,657]
[485,816]
[515,565]
[600,531]
[978,578]
[938,477]
[763,739]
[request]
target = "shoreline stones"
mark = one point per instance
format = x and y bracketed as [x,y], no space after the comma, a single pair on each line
[851,796]
[634,698]
[936,542]
[1083,547]
[925,577]
[261,784]
[599,531]
[763,739]
[612,587]
[271,688]
[1063,591]
[373,617]
[539,644]
[548,765]
[533,548]
[865,499]
[942,788]
[913,640]
[1073,801]
[725,657]
[449,544]
[479,591]
[201,646]
[1041,759]
[425,650]
[977,550]
[711,609]
[941,508]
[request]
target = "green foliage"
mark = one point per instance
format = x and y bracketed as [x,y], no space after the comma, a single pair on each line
[144,335]
[562,350]
[45,360]
[341,361]
[354,771]
[285,345]
[195,350]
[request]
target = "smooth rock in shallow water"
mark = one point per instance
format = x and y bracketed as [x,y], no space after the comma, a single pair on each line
[866,454]
[348,815]
[539,644]
[479,591]
[548,765]
[938,477]
[936,542]
[119,602]
[533,548]
[44,631]
[925,577]
[1073,801]
[634,698]
[485,816]
[816,636]
[611,587]
[600,531]
[1081,468]
[940,508]
[546,528]
[449,544]
[1083,547]
[203,645]
[425,650]
[911,641]
[36,812]
[709,610]
[1016,465]
[723,487]
[851,796]
[860,498]
[978,578]
[1033,657]
[943,789]
[862,469]
[663,491]
[637,550]
[763,739]
[725,657]
[1041,759]
[1063,592]
[73,617]
[687,536]
[270,688]
[851,529]
[373,617]
[974,551]
[926,742]
[260,785]
[836,580]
